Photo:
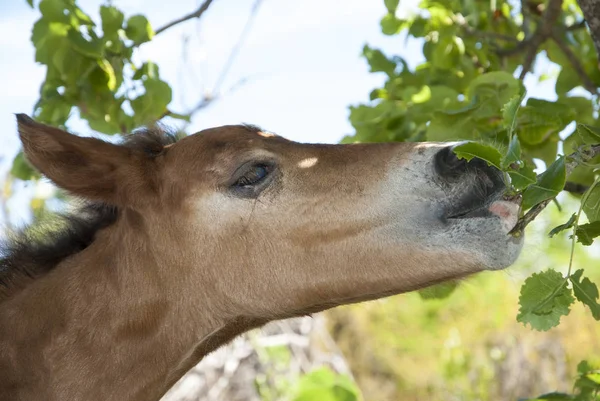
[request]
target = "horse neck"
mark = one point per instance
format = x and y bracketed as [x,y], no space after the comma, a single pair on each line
[105,324]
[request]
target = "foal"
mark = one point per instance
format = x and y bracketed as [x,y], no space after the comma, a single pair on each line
[183,245]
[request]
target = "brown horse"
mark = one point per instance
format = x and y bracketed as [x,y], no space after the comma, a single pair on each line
[183,245]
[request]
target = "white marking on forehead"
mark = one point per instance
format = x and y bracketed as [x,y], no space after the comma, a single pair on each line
[308,162]
[427,145]
[265,134]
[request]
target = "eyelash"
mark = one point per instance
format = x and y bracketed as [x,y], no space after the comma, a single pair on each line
[254,175]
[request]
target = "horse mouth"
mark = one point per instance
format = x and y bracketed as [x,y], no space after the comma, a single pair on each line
[486,199]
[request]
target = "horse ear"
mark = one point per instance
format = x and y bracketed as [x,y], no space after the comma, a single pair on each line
[88,167]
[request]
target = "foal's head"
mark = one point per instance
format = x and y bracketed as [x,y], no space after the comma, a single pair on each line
[269,228]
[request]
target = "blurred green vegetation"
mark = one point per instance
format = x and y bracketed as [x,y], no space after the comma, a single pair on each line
[469,346]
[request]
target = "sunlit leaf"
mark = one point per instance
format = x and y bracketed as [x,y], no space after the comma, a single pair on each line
[591,207]
[586,292]
[90,48]
[112,20]
[562,227]
[545,298]
[54,11]
[549,184]
[523,177]
[588,134]
[139,29]
[377,61]
[586,233]
[513,154]
[470,150]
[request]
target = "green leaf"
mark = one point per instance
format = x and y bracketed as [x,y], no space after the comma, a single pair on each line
[21,169]
[586,233]
[391,5]
[470,150]
[586,292]
[523,177]
[563,227]
[152,105]
[54,11]
[549,184]
[138,29]
[378,62]
[112,20]
[509,113]
[90,48]
[325,385]
[30,2]
[111,80]
[588,134]
[438,291]
[591,207]
[513,154]
[148,69]
[390,25]
[545,297]
[47,37]
[567,79]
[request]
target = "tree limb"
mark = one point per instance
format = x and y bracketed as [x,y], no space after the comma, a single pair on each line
[575,63]
[573,160]
[543,32]
[532,43]
[209,98]
[591,13]
[196,14]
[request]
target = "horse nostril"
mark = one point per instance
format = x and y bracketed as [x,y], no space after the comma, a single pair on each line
[447,164]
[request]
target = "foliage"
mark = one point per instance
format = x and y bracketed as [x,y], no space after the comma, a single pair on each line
[89,67]
[325,385]
[586,388]
[467,89]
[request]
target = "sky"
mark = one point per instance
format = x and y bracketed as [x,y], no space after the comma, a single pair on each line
[300,62]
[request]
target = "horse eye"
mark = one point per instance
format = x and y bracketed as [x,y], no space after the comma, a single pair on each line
[253,176]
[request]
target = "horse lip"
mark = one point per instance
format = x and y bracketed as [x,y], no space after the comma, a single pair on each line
[484,209]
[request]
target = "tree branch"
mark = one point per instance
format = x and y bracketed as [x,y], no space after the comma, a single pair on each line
[575,63]
[542,33]
[591,14]
[531,44]
[573,160]
[208,99]
[196,14]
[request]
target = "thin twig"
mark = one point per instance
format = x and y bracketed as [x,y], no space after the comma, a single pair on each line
[573,160]
[492,35]
[196,14]
[575,63]
[208,99]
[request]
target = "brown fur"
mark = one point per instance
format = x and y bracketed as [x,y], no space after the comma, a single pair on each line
[188,263]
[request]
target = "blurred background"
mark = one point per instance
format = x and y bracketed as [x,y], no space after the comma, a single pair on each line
[294,68]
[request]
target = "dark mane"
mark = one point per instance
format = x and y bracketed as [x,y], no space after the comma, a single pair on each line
[37,249]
